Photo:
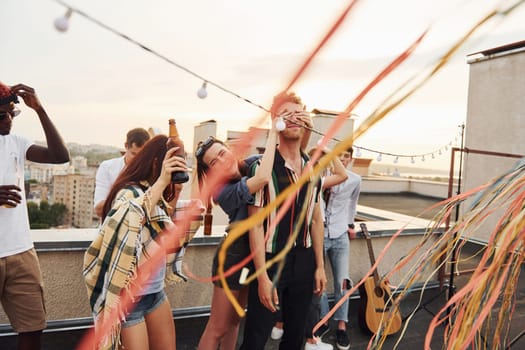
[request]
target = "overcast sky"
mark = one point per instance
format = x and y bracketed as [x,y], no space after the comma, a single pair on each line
[96,85]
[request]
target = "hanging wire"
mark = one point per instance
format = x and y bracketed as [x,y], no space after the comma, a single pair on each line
[159,55]
[220,87]
[395,155]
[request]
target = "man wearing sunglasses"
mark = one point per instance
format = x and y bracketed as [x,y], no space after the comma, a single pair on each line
[21,292]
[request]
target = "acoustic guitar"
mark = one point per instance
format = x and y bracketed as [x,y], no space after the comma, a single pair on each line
[375,310]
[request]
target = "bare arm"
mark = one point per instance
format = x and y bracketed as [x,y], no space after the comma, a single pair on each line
[56,151]
[99,208]
[268,298]
[353,209]
[317,244]
[309,125]
[263,172]
[170,164]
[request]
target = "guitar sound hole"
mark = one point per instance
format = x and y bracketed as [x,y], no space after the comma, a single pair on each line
[379,292]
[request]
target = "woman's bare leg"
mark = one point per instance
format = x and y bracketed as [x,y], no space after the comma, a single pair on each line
[161,329]
[223,324]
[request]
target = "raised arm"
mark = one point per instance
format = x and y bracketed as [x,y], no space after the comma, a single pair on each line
[263,172]
[338,173]
[308,126]
[170,164]
[56,151]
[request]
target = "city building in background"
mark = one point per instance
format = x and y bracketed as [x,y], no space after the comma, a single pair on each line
[75,191]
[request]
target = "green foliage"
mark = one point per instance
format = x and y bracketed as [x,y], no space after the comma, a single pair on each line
[94,156]
[46,215]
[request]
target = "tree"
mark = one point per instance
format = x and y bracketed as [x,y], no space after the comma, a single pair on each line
[45,215]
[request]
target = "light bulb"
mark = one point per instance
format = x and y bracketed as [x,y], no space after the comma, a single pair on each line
[357,152]
[412,160]
[433,156]
[202,93]
[280,125]
[439,152]
[396,160]
[62,23]
[379,157]
[423,158]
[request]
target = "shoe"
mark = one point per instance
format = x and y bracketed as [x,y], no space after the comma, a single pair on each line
[318,346]
[321,332]
[277,333]
[342,341]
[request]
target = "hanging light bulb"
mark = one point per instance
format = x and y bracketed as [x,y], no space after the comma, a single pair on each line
[358,152]
[62,23]
[412,160]
[379,157]
[439,152]
[280,125]
[433,156]
[423,158]
[396,160]
[202,93]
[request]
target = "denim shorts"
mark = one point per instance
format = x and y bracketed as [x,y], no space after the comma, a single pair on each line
[147,304]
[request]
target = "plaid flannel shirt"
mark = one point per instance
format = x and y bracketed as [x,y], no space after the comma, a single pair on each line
[126,237]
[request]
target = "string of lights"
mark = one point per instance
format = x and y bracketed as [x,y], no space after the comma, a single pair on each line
[358,149]
[62,25]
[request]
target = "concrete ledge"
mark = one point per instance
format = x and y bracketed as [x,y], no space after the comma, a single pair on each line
[61,254]
[66,325]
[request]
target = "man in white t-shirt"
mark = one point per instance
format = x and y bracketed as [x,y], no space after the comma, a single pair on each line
[21,292]
[109,170]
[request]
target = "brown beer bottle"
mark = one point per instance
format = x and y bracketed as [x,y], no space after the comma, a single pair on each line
[208,220]
[177,177]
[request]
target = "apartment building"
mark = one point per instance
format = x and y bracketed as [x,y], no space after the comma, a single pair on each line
[75,191]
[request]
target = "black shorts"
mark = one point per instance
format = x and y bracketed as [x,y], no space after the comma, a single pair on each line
[239,250]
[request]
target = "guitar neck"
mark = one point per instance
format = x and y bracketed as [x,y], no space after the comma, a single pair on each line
[370,252]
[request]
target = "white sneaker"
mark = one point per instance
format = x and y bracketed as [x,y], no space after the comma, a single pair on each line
[318,346]
[277,333]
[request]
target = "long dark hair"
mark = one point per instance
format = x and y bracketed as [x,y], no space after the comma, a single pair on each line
[146,165]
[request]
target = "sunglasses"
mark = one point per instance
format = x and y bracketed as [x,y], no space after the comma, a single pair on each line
[13,113]
[203,146]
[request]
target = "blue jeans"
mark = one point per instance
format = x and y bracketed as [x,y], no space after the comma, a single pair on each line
[338,251]
[147,304]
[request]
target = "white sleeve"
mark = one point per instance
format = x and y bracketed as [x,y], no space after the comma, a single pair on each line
[103,183]
[353,200]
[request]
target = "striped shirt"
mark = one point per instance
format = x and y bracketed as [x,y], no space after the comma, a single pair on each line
[282,176]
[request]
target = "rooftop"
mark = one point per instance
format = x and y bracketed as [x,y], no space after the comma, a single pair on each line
[427,302]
